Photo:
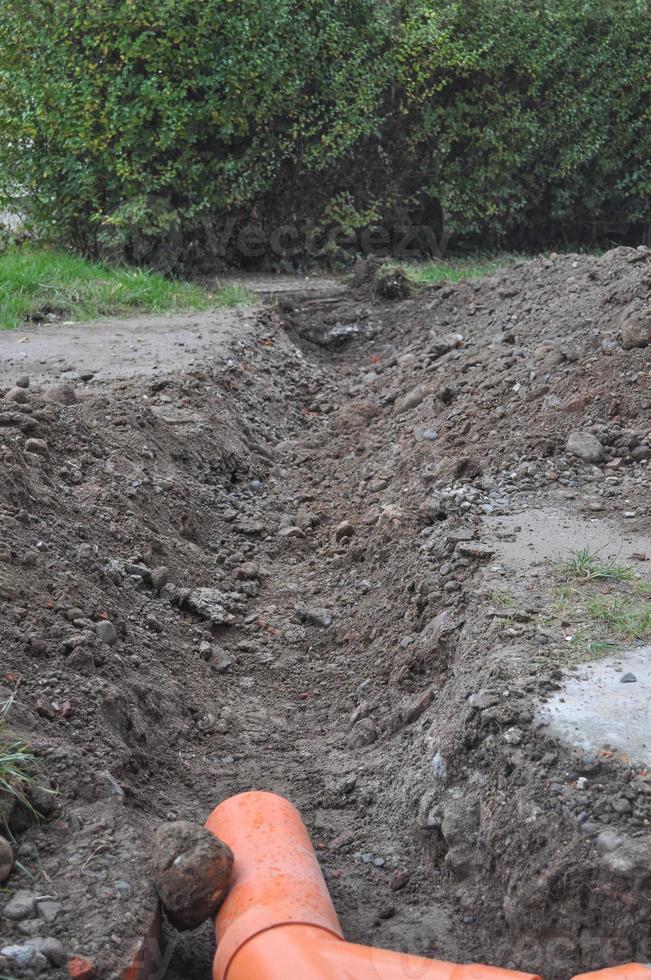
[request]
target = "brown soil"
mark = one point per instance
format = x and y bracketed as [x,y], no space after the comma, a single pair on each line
[341,475]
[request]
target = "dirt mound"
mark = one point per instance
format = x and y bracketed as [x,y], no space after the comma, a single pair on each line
[298,566]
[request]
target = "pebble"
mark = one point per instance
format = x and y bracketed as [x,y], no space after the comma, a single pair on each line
[25,956]
[585,446]
[23,382]
[399,879]
[61,395]
[6,860]
[318,616]
[482,700]
[628,678]
[22,905]
[364,732]
[291,532]
[38,446]
[51,948]
[106,632]
[344,530]
[159,577]
[48,910]
[17,395]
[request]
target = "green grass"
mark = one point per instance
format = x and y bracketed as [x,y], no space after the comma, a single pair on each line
[601,607]
[16,761]
[454,270]
[38,281]
[586,565]
[624,618]
[499,597]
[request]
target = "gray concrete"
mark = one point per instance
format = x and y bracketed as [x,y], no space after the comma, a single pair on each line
[595,710]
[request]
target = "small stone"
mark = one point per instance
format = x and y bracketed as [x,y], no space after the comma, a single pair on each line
[192,871]
[24,956]
[106,633]
[344,530]
[48,910]
[585,446]
[377,484]
[318,616]
[22,905]
[6,860]
[17,395]
[482,700]
[220,662]
[61,394]
[51,948]
[205,650]
[365,732]
[248,570]
[413,398]
[45,710]
[211,604]
[620,805]
[23,382]
[291,532]
[38,446]
[398,879]
[159,577]
[472,549]
[513,736]
[628,678]
[636,328]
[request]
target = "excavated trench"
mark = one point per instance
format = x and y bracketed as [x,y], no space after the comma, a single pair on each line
[308,539]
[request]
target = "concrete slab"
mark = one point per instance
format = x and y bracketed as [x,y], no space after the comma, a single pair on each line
[596,710]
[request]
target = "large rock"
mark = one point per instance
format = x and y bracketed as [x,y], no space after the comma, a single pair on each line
[635,325]
[192,871]
[212,604]
[585,446]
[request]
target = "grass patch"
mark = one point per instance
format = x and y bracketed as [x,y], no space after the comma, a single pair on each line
[499,597]
[454,270]
[587,566]
[38,281]
[16,762]
[624,618]
[601,607]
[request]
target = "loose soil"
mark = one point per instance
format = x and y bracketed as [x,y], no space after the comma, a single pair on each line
[314,548]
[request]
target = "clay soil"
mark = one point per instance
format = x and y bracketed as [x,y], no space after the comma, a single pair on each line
[303,531]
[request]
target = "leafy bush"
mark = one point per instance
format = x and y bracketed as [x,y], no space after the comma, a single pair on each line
[133,121]
[530,118]
[143,126]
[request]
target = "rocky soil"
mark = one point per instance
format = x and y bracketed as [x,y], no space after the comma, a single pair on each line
[282,564]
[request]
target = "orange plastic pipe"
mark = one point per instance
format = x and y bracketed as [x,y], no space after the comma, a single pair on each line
[278,921]
[630,971]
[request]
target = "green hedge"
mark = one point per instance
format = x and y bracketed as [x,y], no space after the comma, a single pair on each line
[144,125]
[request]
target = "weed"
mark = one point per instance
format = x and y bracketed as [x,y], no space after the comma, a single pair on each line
[16,762]
[586,565]
[500,598]
[625,619]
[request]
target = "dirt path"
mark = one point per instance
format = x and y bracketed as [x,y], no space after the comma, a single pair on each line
[106,350]
[328,543]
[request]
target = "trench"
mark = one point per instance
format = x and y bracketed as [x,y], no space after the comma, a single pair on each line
[316,466]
